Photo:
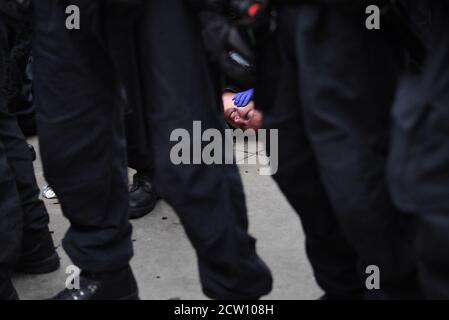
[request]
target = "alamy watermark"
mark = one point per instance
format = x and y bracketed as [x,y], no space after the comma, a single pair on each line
[373,277]
[216,147]
[373,20]
[72,282]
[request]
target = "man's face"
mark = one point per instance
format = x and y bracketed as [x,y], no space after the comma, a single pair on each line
[242,118]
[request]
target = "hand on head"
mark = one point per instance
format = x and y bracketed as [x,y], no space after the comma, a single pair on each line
[241,117]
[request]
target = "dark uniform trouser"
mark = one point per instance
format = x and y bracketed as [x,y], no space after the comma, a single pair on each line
[334,262]
[419,162]
[139,156]
[136,127]
[344,79]
[82,138]
[21,211]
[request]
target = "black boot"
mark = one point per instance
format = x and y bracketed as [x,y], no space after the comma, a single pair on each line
[142,198]
[39,255]
[119,285]
[7,290]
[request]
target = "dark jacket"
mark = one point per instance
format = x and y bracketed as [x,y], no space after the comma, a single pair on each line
[14,10]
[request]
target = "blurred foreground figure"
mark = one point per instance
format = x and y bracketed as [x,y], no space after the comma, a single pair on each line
[25,242]
[419,162]
[79,99]
[336,82]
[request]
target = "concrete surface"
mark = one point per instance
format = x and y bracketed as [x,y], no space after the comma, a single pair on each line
[164,261]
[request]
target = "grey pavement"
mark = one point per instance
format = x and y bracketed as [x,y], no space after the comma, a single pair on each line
[164,261]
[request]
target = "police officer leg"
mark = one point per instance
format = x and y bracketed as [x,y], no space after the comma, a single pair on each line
[10,211]
[10,227]
[347,77]
[83,145]
[38,251]
[333,261]
[209,199]
[419,170]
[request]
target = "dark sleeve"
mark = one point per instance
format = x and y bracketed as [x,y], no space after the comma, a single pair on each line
[228,85]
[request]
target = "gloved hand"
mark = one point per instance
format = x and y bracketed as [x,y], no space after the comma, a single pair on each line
[242,99]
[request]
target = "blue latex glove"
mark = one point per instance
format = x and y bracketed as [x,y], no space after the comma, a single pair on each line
[242,99]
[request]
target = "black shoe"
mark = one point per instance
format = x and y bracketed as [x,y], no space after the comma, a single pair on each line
[142,198]
[39,255]
[7,290]
[119,285]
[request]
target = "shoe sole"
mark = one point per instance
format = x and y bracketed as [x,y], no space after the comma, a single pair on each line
[47,265]
[138,213]
[133,296]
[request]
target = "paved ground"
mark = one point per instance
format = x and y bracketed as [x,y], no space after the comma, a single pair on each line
[164,261]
